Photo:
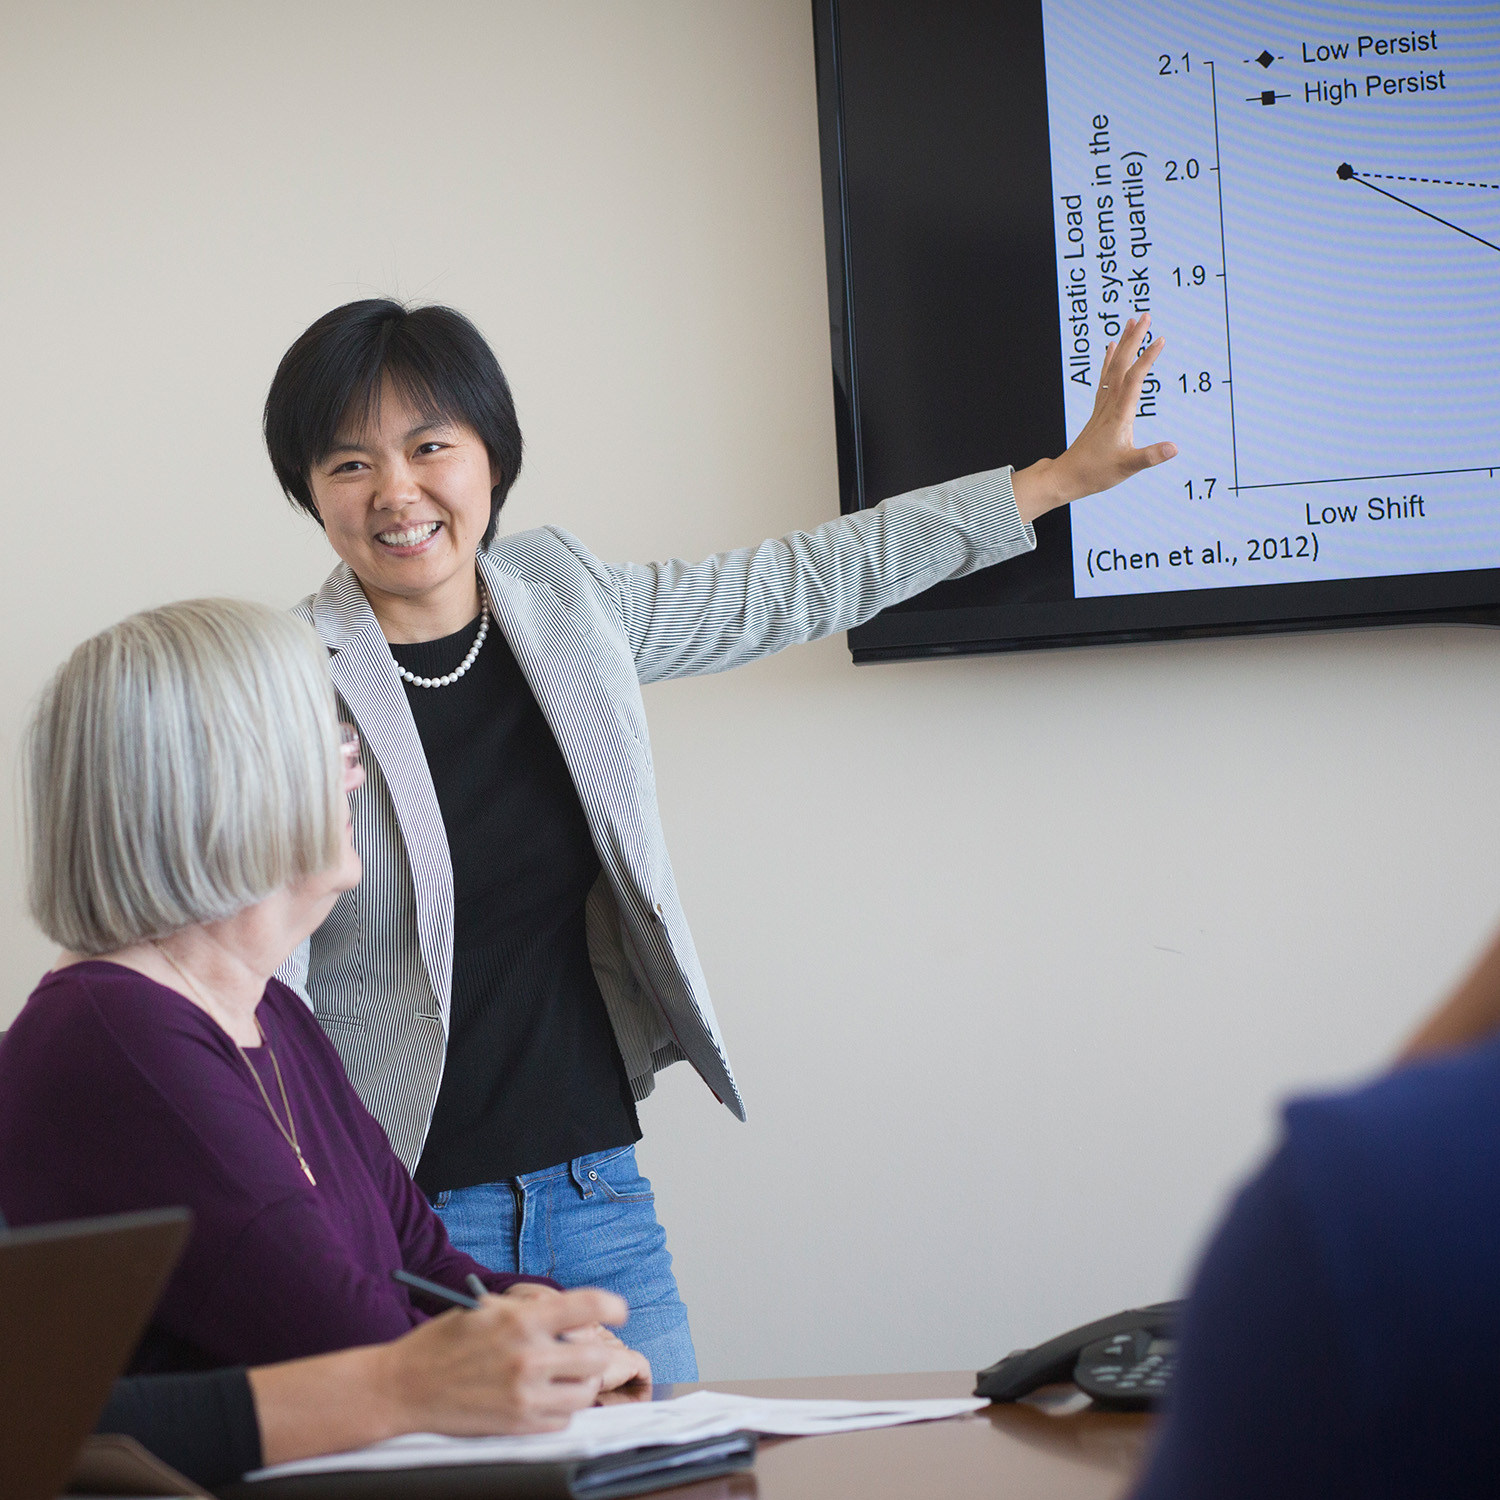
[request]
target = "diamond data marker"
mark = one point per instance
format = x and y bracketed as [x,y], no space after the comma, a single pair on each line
[1265,59]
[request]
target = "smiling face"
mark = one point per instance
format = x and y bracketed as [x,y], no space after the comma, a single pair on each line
[405,500]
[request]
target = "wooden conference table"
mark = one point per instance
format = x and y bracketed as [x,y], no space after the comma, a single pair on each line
[1041,1449]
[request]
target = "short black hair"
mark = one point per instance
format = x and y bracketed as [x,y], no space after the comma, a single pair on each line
[434,357]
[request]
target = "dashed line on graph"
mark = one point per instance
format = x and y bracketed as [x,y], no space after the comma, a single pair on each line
[1494,187]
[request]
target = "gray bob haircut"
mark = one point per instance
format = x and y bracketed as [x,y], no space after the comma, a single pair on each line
[179,767]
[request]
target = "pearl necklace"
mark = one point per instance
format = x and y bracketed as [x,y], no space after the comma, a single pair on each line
[466,663]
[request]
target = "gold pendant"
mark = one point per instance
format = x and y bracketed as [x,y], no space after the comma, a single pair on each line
[307,1170]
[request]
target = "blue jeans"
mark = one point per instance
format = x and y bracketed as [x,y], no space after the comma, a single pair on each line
[588,1222]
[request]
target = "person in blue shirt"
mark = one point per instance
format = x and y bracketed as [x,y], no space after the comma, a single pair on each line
[1342,1336]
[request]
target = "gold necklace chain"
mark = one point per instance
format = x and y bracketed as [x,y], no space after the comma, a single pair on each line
[289,1130]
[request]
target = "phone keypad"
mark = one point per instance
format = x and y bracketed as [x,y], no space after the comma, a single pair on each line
[1128,1369]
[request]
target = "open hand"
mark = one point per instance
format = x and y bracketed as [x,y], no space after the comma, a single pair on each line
[1104,453]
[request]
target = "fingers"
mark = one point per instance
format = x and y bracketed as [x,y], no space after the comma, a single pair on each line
[583,1357]
[1101,396]
[1118,353]
[626,1367]
[545,1404]
[596,1332]
[1135,331]
[1122,370]
[1137,459]
[522,1291]
[1133,376]
[577,1365]
[636,1390]
[551,1379]
[578,1309]
[1147,357]
[494,1369]
[1120,383]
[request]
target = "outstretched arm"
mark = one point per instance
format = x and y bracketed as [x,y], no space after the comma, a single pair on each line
[685,619]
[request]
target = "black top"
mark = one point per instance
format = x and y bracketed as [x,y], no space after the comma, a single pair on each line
[203,1425]
[533,1074]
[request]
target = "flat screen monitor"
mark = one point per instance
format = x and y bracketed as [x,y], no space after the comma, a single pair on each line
[1305,197]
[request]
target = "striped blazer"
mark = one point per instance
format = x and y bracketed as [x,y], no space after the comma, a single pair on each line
[587,634]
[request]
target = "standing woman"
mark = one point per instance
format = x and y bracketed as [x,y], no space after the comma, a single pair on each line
[515,966]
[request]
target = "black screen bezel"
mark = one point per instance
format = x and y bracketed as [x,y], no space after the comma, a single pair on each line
[904,93]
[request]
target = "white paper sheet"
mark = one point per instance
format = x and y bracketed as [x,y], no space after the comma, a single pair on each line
[613,1429]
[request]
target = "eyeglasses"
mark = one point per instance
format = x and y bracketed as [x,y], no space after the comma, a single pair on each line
[354,772]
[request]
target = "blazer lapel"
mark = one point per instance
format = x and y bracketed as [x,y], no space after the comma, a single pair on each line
[551,646]
[364,673]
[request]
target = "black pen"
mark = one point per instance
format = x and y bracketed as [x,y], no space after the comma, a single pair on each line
[444,1293]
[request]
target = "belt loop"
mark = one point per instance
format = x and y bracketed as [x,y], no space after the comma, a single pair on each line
[580,1177]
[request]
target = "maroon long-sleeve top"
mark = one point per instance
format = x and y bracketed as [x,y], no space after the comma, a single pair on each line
[119,1094]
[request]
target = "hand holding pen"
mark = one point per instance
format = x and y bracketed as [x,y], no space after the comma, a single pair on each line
[571,1320]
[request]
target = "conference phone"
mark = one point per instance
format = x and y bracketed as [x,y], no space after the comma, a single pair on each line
[1125,1362]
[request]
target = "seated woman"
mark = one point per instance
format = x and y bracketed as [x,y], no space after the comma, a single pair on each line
[188,827]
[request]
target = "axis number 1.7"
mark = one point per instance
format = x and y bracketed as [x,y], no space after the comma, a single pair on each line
[1200,489]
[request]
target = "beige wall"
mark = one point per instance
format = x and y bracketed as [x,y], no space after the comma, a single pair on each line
[1013,955]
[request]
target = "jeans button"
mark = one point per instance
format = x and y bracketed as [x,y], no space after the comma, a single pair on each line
[593,1177]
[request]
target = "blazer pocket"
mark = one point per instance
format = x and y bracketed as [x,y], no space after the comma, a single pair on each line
[340,1021]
